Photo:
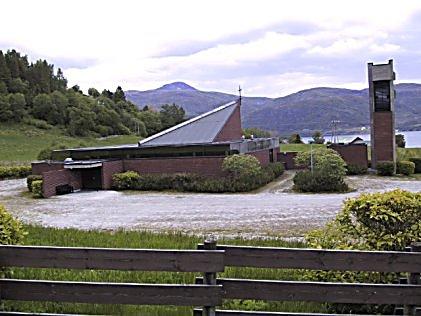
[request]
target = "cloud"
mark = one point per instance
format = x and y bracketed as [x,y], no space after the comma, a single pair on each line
[272,48]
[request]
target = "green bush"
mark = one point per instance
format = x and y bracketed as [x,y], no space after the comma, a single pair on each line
[378,221]
[385,168]
[125,180]
[37,188]
[13,172]
[195,183]
[11,232]
[405,167]
[31,178]
[417,162]
[241,166]
[355,170]
[327,175]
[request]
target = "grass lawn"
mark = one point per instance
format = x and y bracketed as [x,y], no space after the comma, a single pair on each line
[298,147]
[72,237]
[22,143]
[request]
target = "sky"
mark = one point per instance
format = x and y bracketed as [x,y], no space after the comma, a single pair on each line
[270,48]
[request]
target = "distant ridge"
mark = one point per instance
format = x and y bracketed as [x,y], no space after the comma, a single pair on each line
[303,111]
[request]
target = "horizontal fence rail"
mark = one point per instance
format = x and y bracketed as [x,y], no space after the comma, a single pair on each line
[221,312]
[321,259]
[111,293]
[112,259]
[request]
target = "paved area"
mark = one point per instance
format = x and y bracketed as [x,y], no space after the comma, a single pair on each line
[273,210]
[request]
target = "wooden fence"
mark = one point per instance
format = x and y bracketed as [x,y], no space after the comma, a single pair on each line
[210,291]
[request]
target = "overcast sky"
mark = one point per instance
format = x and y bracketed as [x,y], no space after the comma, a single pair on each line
[271,48]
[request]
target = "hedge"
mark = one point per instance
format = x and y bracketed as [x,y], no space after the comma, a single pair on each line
[417,162]
[186,182]
[14,172]
[385,168]
[31,178]
[37,188]
[355,170]
[405,167]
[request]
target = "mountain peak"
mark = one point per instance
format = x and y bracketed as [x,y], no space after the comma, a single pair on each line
[177,86]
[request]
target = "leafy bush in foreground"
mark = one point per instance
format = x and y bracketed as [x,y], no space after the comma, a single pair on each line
[385,168]
[11,232]
[377,221]
[405,167]
[327,174]
[14,172]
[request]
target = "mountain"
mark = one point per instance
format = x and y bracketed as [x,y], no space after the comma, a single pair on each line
[304,111]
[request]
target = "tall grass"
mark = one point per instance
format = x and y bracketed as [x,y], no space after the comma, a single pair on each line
[131,239]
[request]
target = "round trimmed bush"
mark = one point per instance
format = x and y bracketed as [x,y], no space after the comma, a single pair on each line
[241,166]
[405,167]
[31,178]
[385,168]
[125,180]
[37,188]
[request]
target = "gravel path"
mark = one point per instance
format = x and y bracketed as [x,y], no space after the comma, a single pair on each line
[273,210]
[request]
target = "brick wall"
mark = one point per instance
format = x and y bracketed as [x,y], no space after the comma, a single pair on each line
[287,158]
[54,178]
[232,129]
[39,167]
[207,166]
[384,138]
[262,156]
[353,154]
[108,169]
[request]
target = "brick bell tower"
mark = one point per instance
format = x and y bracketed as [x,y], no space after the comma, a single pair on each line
[382,112]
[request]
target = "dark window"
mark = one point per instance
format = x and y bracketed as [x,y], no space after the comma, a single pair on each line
[381,96]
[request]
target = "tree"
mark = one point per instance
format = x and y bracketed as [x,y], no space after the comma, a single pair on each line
[295,139]
[152,121]
[43,108]
[3,88]
[256,132]
[76,88]
[318,137]
[60,104]
[16,85]
[325,171]
[17,106]
[6,113]
[93,92]
[107,93]
[4,70]
[119,95]
[171,115]
[400,140]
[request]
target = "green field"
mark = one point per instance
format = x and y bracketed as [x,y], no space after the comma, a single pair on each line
[298,147]
[72,237]
[22,143]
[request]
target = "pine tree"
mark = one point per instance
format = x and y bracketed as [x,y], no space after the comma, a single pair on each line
[119,95]
[4,70]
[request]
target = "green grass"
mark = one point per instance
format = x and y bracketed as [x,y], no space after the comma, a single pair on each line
[298,147]
[126,239]
[22,143]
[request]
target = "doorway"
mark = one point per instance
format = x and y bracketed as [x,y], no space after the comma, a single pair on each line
[92,178]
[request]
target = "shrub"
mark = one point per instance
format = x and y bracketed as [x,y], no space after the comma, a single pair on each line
[125,180]
[355,169]
[37,188]
[327,175]
[378,221]
[417,162]
[241,166]
[385,168]
[11,232]
[11,172]
[31,178]
[405,167]
[277,168]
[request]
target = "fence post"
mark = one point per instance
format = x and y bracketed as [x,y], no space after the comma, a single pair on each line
[413,278]
[209,278]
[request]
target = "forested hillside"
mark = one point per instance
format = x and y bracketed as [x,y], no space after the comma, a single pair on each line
[34,93]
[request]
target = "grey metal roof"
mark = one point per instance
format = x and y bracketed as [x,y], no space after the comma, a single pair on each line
[198,130]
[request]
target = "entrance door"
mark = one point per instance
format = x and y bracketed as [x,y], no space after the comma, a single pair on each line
[92,178]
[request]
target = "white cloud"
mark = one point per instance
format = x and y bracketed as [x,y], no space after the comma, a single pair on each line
[122,37]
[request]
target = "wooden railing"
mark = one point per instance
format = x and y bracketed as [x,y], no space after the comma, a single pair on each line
[210,291]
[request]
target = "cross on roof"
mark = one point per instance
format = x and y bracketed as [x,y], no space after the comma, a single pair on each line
[239,91]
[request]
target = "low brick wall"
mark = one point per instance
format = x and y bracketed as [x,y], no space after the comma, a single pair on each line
[39,168]
[287,158]
[206,166]
[353,154]
[262,156]
[54,178]
[108,169]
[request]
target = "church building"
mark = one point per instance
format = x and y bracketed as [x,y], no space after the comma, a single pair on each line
[197,146]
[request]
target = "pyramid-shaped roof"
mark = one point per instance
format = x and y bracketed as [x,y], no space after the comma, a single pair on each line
[198,130]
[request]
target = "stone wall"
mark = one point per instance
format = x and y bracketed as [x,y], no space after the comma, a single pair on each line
[353,154]
[108,169]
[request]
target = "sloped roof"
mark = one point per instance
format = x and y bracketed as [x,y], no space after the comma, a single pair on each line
[198,130]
